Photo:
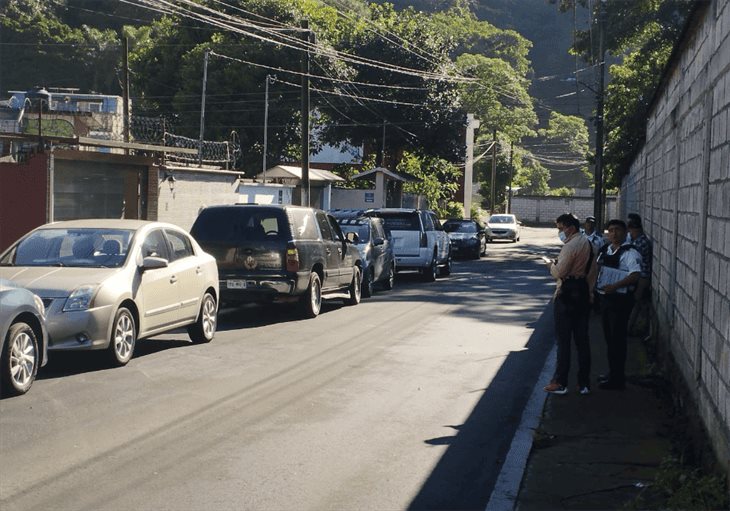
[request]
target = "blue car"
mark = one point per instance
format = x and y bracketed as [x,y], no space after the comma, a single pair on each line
[376,250]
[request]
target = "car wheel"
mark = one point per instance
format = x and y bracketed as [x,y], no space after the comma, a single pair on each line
[124,337]
[355,289]
[203,330]
[19,359]
[390,281]
[429,273]
[367,283]
[311,300]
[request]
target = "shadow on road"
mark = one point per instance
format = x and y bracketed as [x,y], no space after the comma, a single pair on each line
[464,476]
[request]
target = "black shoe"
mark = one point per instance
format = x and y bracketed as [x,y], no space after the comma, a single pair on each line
[603,378]
[611,385]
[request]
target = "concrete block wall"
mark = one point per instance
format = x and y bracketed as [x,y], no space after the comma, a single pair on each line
[680,184]
[192,190]
[544,210]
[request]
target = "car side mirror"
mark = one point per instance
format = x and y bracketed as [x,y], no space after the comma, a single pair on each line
[352,237]
[153,263]
[378,241]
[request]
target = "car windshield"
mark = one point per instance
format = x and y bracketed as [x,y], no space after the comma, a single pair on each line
[77,248]
[362,231]
[460,227]
[501,219]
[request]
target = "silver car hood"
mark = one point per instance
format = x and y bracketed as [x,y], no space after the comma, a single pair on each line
[54,282]
[502,226]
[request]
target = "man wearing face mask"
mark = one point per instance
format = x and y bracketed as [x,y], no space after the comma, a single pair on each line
[574,271]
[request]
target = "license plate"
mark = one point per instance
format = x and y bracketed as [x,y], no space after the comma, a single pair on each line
[236,284]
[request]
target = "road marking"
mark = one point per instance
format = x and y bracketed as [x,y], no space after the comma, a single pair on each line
[504,494]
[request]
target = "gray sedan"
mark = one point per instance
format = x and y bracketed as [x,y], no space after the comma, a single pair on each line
[107,283]
[22,338]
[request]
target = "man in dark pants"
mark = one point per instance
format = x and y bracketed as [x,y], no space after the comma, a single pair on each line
[620,269]
[573,271]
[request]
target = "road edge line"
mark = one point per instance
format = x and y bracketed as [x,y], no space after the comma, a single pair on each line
[507,487]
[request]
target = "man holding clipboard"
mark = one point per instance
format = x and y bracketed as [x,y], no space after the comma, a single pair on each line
[619,270]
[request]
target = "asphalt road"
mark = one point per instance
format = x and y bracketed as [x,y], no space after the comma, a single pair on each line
[408,400]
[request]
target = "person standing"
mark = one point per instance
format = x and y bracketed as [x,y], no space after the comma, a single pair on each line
[642,243]
[572,270]
[595,237]
[619,271]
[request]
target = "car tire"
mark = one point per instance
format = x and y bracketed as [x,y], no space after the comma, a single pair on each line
[19,360]
[355,289]
[446,268]
[430,272]
[203,330]
[123,338]
[367,283]
[390,281]
[311,301]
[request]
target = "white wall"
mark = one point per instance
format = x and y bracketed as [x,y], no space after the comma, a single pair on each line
[680,184]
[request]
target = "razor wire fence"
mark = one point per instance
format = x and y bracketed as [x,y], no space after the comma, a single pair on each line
[154,130]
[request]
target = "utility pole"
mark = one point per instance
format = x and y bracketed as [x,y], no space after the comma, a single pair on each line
[125,92]
[202,108]
[598,175]
[382,155]
[309,38]
[511,173]
[269,79]
[471,125]
[494,171]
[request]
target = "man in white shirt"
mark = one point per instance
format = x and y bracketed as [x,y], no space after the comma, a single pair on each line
[620,270]
[595,237]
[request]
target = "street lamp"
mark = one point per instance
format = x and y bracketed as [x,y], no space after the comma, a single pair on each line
[41,95]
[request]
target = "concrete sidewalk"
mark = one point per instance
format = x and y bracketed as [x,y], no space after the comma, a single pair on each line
[602,450]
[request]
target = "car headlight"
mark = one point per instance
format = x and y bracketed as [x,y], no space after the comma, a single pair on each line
[80,299]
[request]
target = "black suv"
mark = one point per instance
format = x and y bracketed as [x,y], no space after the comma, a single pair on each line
[279,253]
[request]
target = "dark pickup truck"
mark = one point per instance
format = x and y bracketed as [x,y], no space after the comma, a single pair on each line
[269,253]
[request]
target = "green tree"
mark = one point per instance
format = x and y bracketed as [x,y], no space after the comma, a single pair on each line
[438,181]
[641,35]
[38,48]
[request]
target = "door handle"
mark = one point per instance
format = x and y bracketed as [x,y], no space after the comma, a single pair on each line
[198,270]
[173,279]
[329,251]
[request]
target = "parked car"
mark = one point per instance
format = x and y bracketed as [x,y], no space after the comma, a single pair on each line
[503,227]
[419,241]
[107,283]
[277,253]
[468,238]
[23,339]
[376,250]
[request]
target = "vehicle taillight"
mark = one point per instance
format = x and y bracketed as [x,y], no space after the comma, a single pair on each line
[424,239]
[292,257]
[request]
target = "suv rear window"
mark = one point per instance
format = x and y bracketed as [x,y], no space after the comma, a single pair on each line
[400,221]
[304,226]
[230,225]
